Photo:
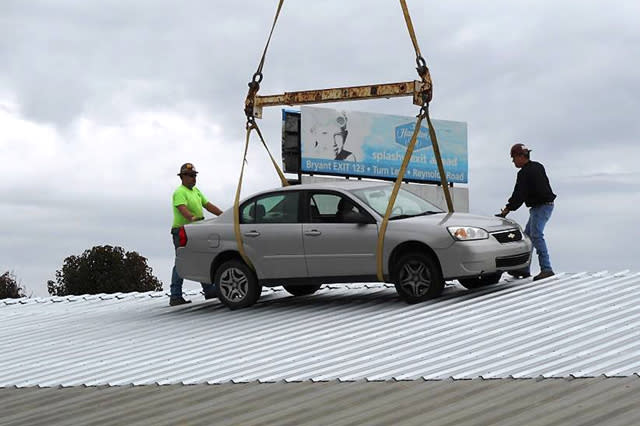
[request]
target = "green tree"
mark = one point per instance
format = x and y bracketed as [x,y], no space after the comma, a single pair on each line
[104,269]
[9,287]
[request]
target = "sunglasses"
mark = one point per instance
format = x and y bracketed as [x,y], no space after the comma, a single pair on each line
[193,175]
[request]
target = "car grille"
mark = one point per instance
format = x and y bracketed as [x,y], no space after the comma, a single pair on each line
[508,236]
[507,261]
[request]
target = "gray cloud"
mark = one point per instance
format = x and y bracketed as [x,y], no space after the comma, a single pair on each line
[103,100]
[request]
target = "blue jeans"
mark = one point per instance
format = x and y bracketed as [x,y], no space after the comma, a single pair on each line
[538,218]
[176,280]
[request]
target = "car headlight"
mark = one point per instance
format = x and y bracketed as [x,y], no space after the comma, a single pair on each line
[468,233]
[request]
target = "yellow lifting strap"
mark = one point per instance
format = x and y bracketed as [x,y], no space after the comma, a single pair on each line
[412,34]
[254,86]
[394,194]
[423,71]
[236,202]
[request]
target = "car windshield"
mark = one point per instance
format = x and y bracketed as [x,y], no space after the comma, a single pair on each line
[406,205]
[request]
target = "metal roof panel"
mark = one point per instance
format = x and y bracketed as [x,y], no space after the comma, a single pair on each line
[571,325]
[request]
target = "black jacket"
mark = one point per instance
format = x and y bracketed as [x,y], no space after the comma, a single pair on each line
[532,187]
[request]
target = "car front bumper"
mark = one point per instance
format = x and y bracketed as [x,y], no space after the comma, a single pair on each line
[473,258]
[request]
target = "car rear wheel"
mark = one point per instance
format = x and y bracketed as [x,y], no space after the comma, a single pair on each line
[483,281]
[302,290]
[418,278]
[237,285]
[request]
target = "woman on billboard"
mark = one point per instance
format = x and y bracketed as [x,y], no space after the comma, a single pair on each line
[330,139]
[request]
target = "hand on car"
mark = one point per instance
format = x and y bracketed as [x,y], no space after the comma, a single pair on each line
[503,213]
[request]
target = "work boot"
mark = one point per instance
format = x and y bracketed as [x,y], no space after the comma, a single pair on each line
[544,274]
[175,301]
[211,295]
[519,273]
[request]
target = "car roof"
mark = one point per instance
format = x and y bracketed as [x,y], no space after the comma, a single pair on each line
[346,185]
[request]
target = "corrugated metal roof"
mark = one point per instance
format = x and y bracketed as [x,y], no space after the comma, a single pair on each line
[580,325]
[585,401]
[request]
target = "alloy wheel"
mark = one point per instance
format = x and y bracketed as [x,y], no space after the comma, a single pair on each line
[234,284]
[415,278]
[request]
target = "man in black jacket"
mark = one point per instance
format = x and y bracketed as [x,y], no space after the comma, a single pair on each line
[533,189]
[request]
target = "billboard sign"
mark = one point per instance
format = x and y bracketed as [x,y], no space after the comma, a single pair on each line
[350,143]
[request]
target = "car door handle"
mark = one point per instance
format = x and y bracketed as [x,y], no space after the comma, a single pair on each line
[313,232]
[252,234]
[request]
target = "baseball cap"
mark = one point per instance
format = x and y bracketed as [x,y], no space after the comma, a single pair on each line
[187,168]
[519,149]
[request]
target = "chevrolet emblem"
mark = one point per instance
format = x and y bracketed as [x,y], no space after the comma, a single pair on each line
[511,236]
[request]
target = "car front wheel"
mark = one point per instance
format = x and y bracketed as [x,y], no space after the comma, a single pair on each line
[418,278]
[479,282]
[237,285]
[302,290]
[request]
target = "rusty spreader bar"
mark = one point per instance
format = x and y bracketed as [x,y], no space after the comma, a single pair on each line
[415,88]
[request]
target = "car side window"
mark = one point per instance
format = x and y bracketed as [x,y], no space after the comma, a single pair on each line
[273,208]
[331,208]
[248,213]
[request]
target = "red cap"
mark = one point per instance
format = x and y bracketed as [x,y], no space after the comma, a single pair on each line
[519,149]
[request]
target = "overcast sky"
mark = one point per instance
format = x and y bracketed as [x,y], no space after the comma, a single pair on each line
[100,103]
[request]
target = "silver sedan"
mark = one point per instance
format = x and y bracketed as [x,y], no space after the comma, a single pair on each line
[303,236]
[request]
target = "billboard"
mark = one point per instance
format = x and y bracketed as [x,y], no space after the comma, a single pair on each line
[350,143]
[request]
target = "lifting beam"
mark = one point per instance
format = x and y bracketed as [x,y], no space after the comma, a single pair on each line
[414,88]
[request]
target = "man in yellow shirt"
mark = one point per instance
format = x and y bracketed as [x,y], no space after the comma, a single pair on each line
[188,203]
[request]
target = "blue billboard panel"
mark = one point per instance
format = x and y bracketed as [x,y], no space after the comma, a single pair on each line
[350,143]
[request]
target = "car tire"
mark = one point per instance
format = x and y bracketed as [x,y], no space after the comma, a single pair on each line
[302,290]
[479,282]
[237,284]
[417,277]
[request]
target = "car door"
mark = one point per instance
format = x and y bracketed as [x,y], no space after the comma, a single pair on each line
[272,235]
[332,245]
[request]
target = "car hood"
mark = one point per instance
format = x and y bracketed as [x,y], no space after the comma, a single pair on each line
[488,223]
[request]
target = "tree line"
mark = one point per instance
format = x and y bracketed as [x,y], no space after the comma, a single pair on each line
[100,269]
